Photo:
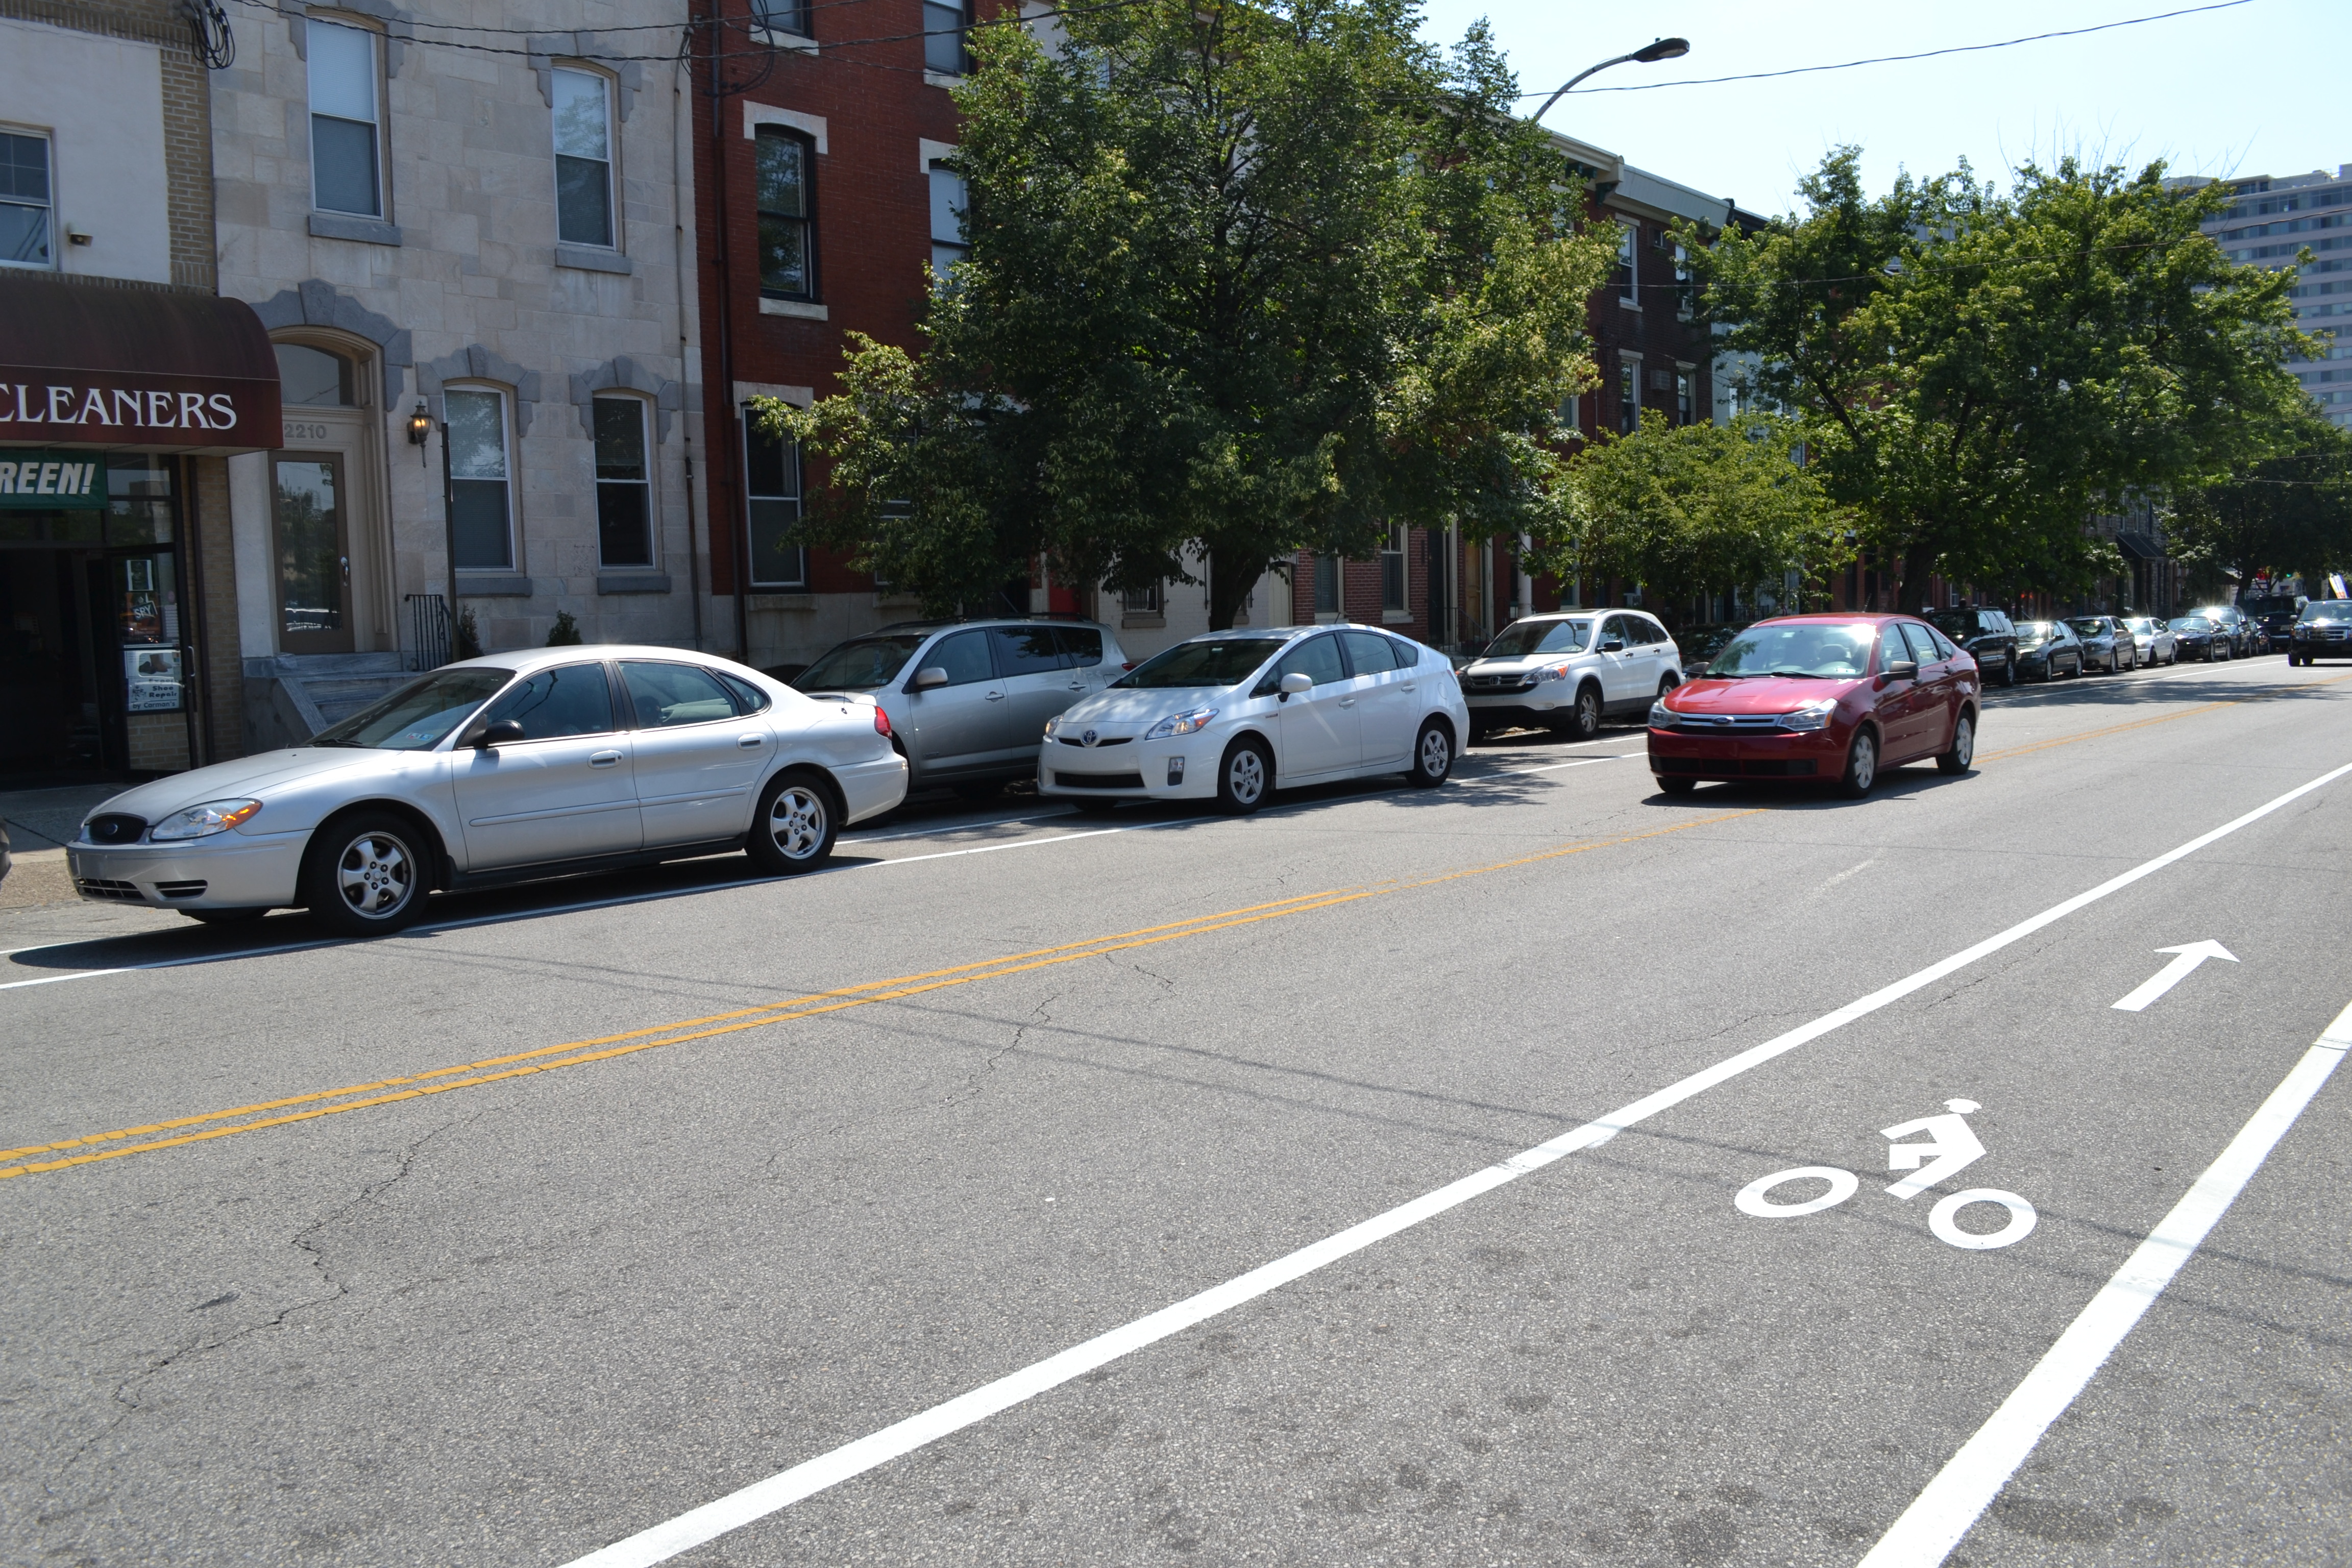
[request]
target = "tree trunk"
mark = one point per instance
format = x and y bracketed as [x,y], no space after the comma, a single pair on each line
[1918,565]
[1231,575]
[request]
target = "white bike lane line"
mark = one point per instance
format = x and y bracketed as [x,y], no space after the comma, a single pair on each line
[687,1530]
[1942,1515]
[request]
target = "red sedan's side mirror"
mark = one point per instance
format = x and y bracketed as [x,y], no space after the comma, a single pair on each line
[1899,670]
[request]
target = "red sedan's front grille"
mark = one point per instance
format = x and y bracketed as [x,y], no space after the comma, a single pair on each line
[1733,767]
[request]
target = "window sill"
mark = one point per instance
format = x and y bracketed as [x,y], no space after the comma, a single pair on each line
[632,581]
[589,260]
[783,599]
[800,309]
[494,585]
[1396,618]
[1329,618]
[1629,304]
[366,230]
[1129,621]
[941,79]
[781,40]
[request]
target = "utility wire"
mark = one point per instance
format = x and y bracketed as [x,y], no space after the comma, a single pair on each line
[1923,54]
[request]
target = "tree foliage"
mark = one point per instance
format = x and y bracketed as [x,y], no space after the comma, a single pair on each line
[1695,508]
[1244,278]
[1981,369]
[2285,506]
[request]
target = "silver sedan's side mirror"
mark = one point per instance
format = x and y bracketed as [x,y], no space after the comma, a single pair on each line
[927,678]
[1295,683]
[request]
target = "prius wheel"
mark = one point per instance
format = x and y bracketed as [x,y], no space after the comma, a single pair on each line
[1432,756]
[1861,766]
[1244,777]
[1964,746]
[793,830]
[364,876]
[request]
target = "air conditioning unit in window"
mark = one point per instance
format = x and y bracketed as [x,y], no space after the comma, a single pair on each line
[1661,381]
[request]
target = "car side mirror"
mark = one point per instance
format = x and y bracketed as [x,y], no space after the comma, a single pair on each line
[1295,683]
[1614,645]
[935,675]
[1900,670]
[502,732]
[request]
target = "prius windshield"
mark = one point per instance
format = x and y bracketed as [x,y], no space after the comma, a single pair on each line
[1522,638]
[1221,661]
[416,717]
[1808,649]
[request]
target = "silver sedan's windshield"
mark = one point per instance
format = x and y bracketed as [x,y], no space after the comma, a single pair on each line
[416,717]
[1221,661]
[1538,636]
[1800,648]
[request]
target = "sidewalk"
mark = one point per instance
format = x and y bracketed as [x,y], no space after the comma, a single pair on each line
[40,822]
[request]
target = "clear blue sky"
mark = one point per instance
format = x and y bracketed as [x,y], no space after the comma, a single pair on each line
[2215,93]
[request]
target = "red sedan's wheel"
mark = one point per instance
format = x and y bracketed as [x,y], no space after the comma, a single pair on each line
[1861,765]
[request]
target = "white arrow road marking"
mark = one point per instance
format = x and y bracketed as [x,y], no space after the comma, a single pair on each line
[2173,973]
[1950,1140]
[1961,1491]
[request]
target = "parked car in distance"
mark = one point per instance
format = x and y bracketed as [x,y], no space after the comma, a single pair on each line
[1566,670]
[2152,640]
[2046,647]
[1834,698]
[541,762]
[2277,628]
[2106,644]
[1985,634]
[2323,630]
[1232,716]
[2232,624]
[967,699]
[2199,638]
[1701,643]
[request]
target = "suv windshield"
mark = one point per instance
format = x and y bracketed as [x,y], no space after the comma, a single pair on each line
[1825,652]
[1523,637]
[1225,661]
[2328,610]
[860,665]
[416,717]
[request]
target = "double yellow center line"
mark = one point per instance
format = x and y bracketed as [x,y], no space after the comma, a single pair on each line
[186,1129]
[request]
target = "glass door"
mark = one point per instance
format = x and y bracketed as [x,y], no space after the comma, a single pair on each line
[314,555]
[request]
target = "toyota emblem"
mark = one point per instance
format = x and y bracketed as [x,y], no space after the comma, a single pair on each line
[1088,739]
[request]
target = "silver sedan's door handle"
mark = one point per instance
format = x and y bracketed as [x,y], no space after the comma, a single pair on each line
[1346,702]
[996,697]
[1406,684]
[603,759]
[750,742]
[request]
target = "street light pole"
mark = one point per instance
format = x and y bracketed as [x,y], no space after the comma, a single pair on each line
[1663,49]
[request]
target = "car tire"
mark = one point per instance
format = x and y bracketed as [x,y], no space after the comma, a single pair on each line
[1674,784]
[1244,776]
[1584,719]
[365,874]
[1963,751]
[2009,668]
[225,917]
[793,830]
[1861,765]
[1432,756]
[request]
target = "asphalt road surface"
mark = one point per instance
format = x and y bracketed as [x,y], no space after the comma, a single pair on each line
[1381,1179]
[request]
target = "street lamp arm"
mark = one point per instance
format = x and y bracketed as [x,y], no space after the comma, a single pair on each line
[1649,53]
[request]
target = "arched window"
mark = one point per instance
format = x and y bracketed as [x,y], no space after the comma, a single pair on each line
[315,378]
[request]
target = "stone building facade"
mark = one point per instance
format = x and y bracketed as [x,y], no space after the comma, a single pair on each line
[467,230]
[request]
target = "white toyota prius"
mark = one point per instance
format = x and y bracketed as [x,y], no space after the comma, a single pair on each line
[517,765]
[1231,716]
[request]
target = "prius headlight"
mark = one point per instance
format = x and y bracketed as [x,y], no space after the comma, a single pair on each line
[1812,715]
[203,821]
[1184,723]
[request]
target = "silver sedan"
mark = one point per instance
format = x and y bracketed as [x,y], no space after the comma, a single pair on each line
[502,769]
[2152,639]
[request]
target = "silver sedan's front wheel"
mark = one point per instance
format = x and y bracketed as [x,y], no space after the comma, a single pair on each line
[364,876]
[794,828]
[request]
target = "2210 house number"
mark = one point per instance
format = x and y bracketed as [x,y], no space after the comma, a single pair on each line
[297,432]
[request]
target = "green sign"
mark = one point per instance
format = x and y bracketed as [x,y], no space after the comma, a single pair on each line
[32,479]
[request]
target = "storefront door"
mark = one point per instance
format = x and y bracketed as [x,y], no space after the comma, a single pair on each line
[312,551]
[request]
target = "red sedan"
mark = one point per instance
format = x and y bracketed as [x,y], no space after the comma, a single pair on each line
[1832,698]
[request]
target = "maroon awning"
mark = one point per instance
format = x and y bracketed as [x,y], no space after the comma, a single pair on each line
[150,370]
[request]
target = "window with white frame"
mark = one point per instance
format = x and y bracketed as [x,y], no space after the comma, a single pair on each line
[481,499]
[1629,394]
[1147,601]
[584,158]
[943,25]
[947,203]
[1685,396]
[346,157]
[624,512]
[771,489]
[1393,572]
[25,200]
[783,15]
[1629,264]
[784,175]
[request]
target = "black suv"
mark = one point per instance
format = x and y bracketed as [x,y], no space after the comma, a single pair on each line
[1988,634]
[2324,631]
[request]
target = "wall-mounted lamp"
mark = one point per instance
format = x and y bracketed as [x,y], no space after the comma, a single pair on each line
[77,235]
[420,428]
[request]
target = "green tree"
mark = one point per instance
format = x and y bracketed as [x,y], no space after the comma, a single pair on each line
[1695,508]
[1245,277]
[2284,507]
[1981,370]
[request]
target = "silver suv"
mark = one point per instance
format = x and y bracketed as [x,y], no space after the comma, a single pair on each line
[968,700]
[1565,672]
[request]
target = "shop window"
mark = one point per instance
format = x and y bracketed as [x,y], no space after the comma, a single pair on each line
[481,507]
[584,158]
[943,50]
[25,200]
[344,158]
[1392,576]
[947,203]
[772,487]
[624,533]
[787,214]
[314,378]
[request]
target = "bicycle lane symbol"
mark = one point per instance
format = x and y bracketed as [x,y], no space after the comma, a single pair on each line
[1950,1147]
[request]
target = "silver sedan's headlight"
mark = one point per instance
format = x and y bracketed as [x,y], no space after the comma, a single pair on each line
[1811,716]
[203,821]
[1184,723]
